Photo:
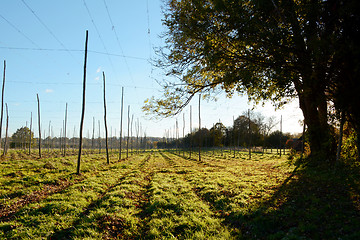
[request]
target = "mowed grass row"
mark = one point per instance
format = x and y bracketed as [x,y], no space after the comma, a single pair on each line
[166,195]
[234,188]
[22,176]
[58,211]
[268,197]
[153,195]
[175,211]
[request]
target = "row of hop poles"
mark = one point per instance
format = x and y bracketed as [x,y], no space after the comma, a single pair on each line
[81,121]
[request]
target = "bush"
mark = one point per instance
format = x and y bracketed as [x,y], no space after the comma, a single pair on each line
[349,150]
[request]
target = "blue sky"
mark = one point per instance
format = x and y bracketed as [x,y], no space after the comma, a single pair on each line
[43,41]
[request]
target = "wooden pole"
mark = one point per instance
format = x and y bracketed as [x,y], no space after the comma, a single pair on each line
[24,139]
[141,139]
[93,136]
[73,141]
[30,134]
[213,145]
[37,96]
[111,139]
[177,136]
[131,133]
[249,134]
[44,135]
[183,143]
[137,135]
[190,131]
[200,129]
[52,140]
[106,130]
[65,129]
[60,139]
[83,108]
[280,147]
[99,138]
[303,139]
[114,136]
[121,121]
[234,134]
[49,136]
[7,127]
[127,142]
[2,102]
[222,141]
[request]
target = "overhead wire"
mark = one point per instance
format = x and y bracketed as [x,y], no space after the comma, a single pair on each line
[65,49]
[19,31]
[72,83]
[99,35]
[72,50]
[47,28]
[148,26]
[22,34]
[118,41]
[150,43]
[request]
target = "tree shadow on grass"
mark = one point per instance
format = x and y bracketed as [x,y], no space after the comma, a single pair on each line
[84,221]
[315,202]
[113,226]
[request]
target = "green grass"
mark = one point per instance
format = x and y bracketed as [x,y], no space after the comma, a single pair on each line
[167,195]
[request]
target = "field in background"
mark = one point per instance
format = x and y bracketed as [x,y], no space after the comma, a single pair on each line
[164,195]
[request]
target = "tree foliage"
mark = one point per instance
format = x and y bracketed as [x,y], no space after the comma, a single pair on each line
[21,138]
[270,50]
[237,135]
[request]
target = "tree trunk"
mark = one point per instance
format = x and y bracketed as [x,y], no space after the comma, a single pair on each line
[354,116]
[342,121]
[357,141]
[313,106]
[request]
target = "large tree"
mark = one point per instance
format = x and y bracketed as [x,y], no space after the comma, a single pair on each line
[345,84]
[270,50]
[21,138]
[217,134]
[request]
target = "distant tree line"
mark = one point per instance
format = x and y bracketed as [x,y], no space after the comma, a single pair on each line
[254,130]
[21,139]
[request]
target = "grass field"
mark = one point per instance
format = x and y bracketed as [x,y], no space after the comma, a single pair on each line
[167,195]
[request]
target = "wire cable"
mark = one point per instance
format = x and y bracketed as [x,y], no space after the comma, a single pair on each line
[19,31]
[118,41]
[98,33]
[72,50]
[90,84]
[148,25]
[47,28]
